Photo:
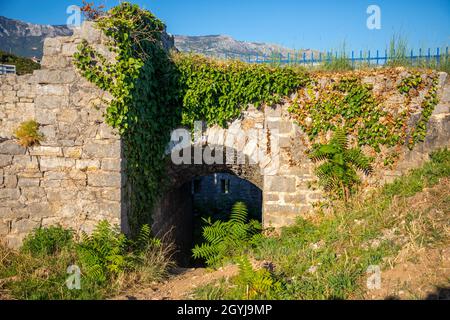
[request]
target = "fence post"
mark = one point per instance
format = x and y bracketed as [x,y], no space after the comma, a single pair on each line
[368,58]
[378,56]
[312,58]
[385,56]
[412,57]
[438,57]
[304,58]
[353,59]
[429,55]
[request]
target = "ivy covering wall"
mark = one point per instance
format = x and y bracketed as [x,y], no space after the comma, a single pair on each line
[155,91]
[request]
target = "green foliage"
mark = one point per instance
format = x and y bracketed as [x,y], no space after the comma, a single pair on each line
[154,93]
[23,65]
[28,133]
[429,174]
[47,241]
[103,254]
[249,284]
[337,173]
[340,63]
[108,260]
[327,258]
[217,92]
[223,239]
[428,105]
[146,107]
[411,82]
[351,103]
[398,47]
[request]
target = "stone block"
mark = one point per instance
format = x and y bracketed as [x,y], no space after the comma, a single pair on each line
[46,151]
[87,164]
[9,194]
[279,184]
[48,163]
[111,194]
[24,226]
[59,195]
[73,152]
[111,165]
[5,160]
[33,193]
[101,179]
[4,227]
[102,150]
[28,182]
[10,147]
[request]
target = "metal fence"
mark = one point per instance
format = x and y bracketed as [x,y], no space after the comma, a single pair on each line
[355,58]
[7,69]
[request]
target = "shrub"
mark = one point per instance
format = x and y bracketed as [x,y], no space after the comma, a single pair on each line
[224,239]
[47,241]
[337,173]
[103,254]
[28,133]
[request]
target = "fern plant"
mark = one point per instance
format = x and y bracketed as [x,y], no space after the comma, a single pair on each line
[103,253]
[256,284]
[337,172]
[222,238]
[107,252]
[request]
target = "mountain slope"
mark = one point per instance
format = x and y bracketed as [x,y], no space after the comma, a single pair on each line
[222,46]
[27,39]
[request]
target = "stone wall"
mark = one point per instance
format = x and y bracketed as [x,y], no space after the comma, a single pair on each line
[75,177]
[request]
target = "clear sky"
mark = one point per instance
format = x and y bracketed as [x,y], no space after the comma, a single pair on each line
[317,24]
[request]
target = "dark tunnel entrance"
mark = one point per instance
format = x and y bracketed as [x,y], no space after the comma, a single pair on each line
[212,195]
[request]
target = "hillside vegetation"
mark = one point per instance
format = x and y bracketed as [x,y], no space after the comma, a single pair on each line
[326,255]
[23,65]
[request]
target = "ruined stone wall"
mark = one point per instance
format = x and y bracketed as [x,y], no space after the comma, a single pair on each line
[75,177]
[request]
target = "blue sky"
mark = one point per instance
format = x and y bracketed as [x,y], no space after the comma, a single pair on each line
[322,25]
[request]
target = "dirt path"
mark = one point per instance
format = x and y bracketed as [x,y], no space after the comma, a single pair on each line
[180,285]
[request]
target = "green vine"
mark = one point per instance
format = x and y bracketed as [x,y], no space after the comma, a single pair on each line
[145,106]
[154,92]
[351,104]
[217,92]
[428,105]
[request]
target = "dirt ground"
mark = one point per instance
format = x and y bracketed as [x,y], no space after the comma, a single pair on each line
[180,285]
[421,271]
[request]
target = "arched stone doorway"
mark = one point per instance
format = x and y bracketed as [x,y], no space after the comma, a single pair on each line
[174,213]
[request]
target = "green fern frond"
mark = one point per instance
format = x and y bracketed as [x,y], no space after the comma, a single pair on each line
[239,213]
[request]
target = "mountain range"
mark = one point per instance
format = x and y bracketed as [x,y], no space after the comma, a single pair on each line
[27,39]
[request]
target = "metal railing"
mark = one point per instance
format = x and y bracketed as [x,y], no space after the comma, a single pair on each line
[7,69]
[361,57]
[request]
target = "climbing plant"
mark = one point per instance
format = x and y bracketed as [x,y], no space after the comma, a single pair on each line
[351,103]
[218,91]
[339,163]
[154,92]
[145,106]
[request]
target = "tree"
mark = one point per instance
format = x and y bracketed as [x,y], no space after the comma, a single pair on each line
[337,172]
